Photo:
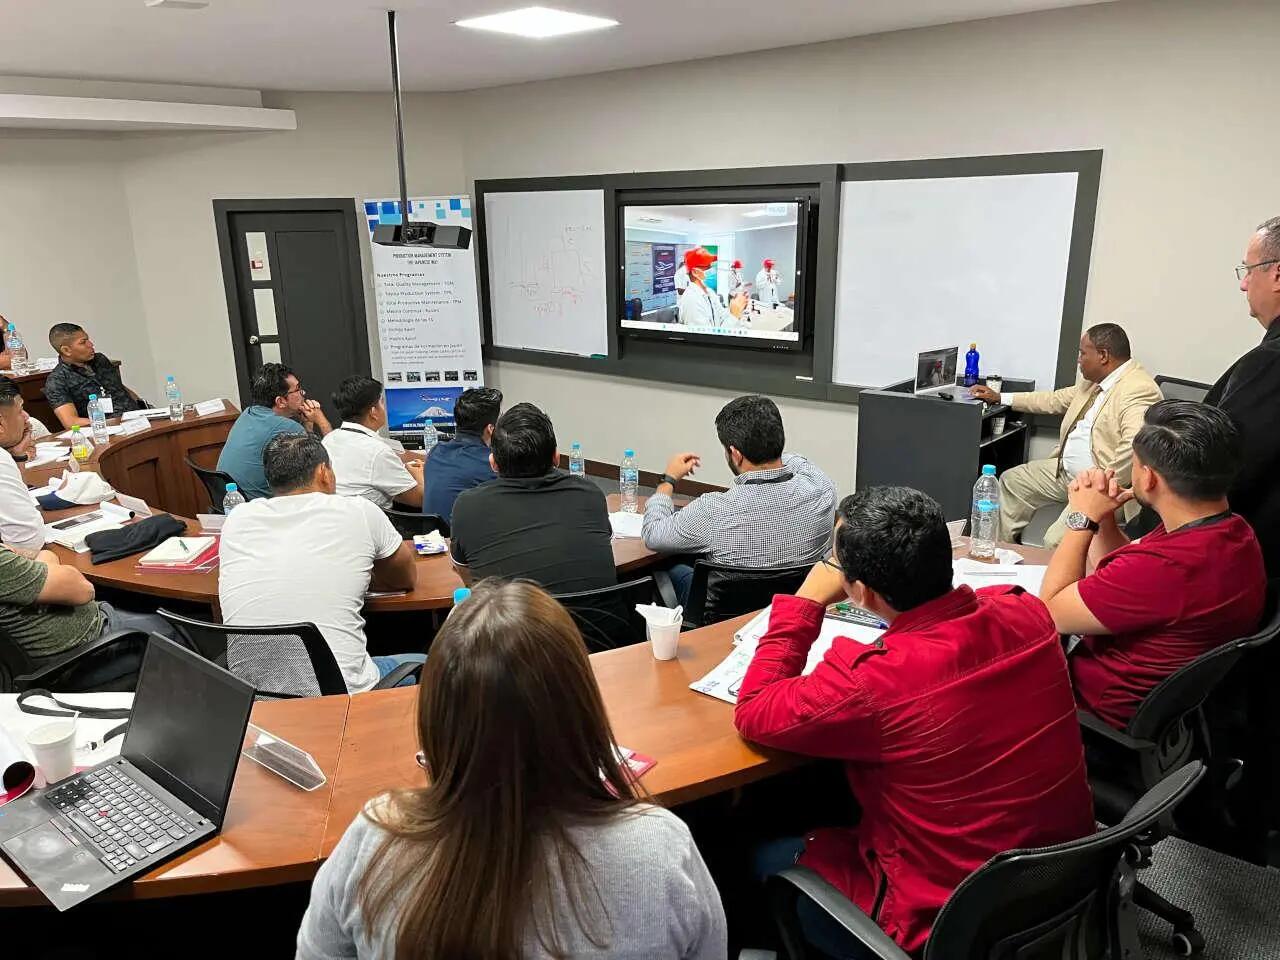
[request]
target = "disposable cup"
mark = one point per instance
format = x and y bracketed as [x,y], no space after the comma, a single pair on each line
[995,383]
[665,640]
[997,426]
[54,747]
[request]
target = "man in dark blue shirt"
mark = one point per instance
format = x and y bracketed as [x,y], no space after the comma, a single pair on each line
[463,462]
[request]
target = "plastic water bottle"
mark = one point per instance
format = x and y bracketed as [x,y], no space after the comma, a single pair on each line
[174,396]
[79,449]
[430,437]
[97,420]
[984,519]
[971,366]
[232,498]
[17,350]
[629,481]
[577,465]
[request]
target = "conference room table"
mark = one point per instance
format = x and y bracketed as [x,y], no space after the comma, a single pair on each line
[365,744]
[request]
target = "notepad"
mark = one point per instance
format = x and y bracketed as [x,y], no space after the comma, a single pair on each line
[176,550]
[626,525]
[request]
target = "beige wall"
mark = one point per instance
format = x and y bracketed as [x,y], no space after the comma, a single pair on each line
[1166,88]
[66,254]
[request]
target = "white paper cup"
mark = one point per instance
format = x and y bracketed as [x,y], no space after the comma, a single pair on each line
[665,640]
[54,747]
[997,426]
[995,383]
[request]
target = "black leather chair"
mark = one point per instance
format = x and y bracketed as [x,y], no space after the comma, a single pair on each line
[215,483]
[1168,730]
[64,673]
[411,523]
[607,617]
[1175,388]
[1065,902]
[279,661]
[720,593]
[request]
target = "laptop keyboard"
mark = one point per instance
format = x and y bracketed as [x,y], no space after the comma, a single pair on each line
[123,818]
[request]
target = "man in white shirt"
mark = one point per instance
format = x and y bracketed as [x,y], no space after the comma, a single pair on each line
[699,306]
[1101,415]
[305,555]
[364,463]
[767,283]
[21,526]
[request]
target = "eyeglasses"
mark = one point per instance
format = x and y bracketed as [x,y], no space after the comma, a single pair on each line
[1242,271]
[829,558]
[297,389]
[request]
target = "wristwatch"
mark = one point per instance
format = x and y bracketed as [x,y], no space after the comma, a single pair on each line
[668,478]
[1078,521]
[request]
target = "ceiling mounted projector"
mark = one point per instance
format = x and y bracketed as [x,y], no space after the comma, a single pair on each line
[422,233]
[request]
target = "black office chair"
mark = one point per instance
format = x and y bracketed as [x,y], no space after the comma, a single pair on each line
[720,593]
[607,617]
[410,523]
[20,671]
[215,483]
[1175,388]
[281,661]
[1168,730]
[1065,902]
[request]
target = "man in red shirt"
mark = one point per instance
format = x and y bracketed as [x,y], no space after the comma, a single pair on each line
[1148,607]
[958,727]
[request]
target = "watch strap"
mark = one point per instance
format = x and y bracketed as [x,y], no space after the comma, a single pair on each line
[668,478]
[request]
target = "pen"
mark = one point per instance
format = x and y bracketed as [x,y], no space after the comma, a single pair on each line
[183,544]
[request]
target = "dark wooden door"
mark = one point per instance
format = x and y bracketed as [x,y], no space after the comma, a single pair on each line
[295,291]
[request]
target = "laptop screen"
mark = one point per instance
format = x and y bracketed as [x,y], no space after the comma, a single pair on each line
[936,368]
[187,726]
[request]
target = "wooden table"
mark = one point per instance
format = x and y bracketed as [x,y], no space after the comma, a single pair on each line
[436,578]
[151,464]
[274,832]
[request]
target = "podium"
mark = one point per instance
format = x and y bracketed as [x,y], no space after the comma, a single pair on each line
[936,445]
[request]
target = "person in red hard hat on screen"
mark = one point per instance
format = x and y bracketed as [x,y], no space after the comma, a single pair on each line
[767,281]
[736,284]
[700,307]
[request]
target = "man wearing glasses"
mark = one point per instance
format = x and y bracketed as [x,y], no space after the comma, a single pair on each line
[1250,393]
[280,405]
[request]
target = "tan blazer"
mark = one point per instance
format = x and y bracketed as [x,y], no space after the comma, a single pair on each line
[1118,421]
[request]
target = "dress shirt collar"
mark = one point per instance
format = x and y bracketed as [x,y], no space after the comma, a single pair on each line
[1114,376]
[1273,331]
[467,437]
[359,428]
[957,602]
[772,475]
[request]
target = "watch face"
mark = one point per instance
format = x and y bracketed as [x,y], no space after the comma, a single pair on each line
[1077,521]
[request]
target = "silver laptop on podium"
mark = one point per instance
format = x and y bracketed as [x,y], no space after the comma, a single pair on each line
[936,374]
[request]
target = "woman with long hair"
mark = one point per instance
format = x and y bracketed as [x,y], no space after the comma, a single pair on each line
[529,839]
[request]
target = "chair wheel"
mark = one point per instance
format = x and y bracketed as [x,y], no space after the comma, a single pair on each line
[1188,943]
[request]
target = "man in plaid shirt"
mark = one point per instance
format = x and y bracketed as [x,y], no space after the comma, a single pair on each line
[778,512]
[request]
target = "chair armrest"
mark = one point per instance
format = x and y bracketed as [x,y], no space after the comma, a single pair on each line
[40,678]
[397,675]
[666,589]
[1090,724]
[836,905]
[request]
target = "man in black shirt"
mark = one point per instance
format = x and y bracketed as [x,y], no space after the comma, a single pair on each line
[533,522]
[1250,393]
[81,370]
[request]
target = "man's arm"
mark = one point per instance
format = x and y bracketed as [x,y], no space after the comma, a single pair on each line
[67,416]
[63,585]
[395,572]
[1251,398]
[313,418]
[1049,402]
[1094,494]
[667,531]
[410,470]
[21,525]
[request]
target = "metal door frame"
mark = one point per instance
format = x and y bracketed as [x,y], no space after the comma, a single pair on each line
[223,210]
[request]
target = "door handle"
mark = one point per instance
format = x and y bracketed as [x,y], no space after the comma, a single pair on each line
[253,340]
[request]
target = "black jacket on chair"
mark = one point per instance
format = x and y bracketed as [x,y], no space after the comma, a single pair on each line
[1250,393]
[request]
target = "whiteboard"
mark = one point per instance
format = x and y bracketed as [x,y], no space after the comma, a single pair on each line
[547,270]
[945,262]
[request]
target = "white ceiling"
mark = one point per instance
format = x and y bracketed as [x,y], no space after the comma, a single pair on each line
[342,45]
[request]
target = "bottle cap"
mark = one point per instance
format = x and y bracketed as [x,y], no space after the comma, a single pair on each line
[973,346]
[461,594]
[76,428]
[168,379]
[232,488]
[988,469]
[628,453]
[93,396]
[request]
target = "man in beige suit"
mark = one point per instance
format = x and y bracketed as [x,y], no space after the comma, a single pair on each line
[1100,417]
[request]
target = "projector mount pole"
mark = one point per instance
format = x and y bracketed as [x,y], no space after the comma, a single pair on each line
[395,86]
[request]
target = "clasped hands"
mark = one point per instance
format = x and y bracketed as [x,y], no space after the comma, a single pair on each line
[1097,494]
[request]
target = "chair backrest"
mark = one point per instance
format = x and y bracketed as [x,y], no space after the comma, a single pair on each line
[607,617]
[720,593]
[14,662]
[410,523]
[215,482]
[1175,388]
[281,660]
[1050,903]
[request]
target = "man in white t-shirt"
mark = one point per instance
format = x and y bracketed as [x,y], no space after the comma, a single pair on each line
[303,555]
[21,526]
[364,463]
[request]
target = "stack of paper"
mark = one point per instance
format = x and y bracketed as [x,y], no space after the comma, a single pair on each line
[181,555]
[976,574]
[70,533]
[626,525]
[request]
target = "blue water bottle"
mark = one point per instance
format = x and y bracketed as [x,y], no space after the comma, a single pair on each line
[971,365]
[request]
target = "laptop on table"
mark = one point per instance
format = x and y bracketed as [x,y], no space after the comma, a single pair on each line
[936,374]
[166,792]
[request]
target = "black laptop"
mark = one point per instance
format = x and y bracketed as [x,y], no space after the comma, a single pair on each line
[166,792]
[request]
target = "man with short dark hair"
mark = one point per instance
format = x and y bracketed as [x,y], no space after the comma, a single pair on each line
[280,405]
[82,371]
[777,513]
[463,462]
[364,463]
[21,526]
[956,725]
[1148,607]
[534,522]
[306,555]
[1100,415]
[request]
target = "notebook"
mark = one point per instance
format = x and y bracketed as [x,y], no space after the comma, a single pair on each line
[178,551]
